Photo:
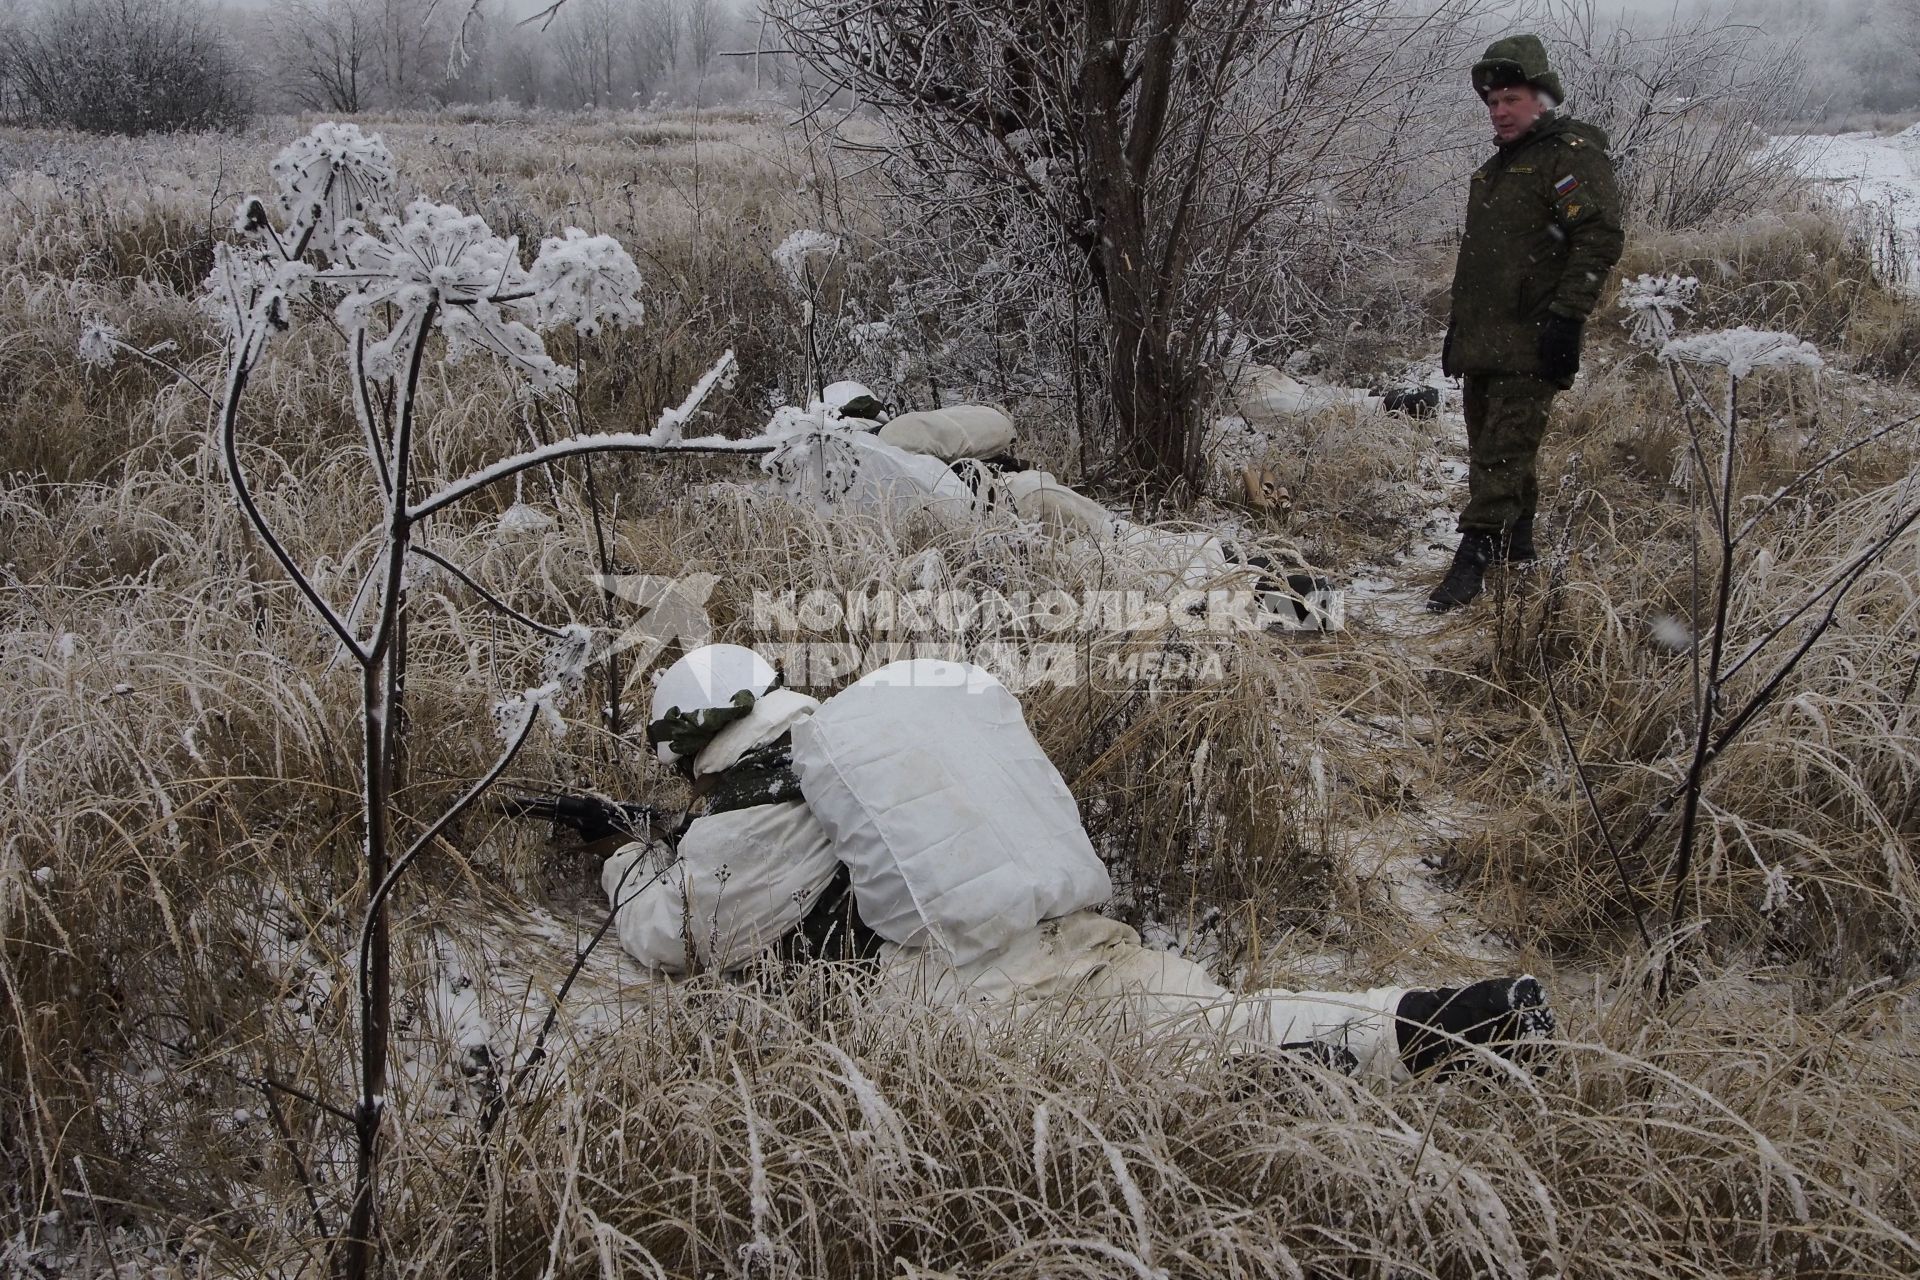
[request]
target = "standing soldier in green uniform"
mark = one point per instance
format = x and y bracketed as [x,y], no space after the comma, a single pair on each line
[1542,233]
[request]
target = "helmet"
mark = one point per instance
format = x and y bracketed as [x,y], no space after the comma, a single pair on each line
[708,679]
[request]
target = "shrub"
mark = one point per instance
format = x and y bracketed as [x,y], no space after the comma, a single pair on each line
[126,66]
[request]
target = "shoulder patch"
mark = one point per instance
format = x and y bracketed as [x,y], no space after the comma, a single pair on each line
[1566,186]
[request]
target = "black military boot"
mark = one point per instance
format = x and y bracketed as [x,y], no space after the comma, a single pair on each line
[1516,546]
[1464,576]
[1508,1015]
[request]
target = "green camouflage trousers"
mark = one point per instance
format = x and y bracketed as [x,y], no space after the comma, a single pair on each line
[1506,417]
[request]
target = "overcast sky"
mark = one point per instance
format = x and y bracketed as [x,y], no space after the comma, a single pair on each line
[511,8]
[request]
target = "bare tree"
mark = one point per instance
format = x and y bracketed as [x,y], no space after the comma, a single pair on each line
[325,52]
[1157,139]
[1901,19]
[10,99]
[705,22]
[592,41]
[653,35]
[520,70]
[1686,107]
[411,37]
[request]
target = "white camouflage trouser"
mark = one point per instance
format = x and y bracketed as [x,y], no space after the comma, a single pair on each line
[1101,966]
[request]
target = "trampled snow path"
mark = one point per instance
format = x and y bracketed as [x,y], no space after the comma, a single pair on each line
[1391,599]
[1396,854]
[1870,170]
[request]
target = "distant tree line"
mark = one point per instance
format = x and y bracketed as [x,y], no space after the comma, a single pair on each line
[131,66]
[136,66]
[1859,55]
[357,55]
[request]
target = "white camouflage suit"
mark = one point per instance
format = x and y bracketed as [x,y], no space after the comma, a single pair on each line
[966,854]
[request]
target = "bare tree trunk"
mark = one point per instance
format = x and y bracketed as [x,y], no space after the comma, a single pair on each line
[1144,376]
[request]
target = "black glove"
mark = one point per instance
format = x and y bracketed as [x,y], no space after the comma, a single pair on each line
[1560,348]
[1446,353]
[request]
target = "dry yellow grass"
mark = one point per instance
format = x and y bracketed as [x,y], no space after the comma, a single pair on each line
[178,875]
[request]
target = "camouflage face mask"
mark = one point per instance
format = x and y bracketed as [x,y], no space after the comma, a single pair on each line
[686,732]
[863,407]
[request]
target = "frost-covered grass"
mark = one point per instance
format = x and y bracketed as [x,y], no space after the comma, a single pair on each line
[178,754]
[1806,271]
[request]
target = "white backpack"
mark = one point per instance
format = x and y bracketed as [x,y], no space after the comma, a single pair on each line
[957,830]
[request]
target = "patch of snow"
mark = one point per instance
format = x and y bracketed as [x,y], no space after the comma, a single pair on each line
[521,518]
[793,253]
[1397,855]
[1876,174]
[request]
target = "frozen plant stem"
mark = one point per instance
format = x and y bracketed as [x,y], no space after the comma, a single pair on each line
[1717,723]
[438,271]
[610,711]
[382,684]
[1709,680]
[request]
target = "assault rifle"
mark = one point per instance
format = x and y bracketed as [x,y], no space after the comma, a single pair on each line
[595,818]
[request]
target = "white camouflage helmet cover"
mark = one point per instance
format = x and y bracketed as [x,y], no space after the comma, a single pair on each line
[708,678]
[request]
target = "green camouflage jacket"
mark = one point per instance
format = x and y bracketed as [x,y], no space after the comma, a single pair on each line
[1542,234]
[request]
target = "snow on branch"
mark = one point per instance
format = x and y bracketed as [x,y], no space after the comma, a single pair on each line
[674,421]
[1741,351]
[586,281]
[394,275]
[249,292]
[565,670]
[791,257]
[452,262]
[331,181]
[610,442]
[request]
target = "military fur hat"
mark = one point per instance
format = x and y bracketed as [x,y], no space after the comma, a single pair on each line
[1516,60]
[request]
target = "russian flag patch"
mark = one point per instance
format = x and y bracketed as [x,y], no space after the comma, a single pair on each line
[1566,186]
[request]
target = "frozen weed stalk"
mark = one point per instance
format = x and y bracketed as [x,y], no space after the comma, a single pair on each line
[1651,303]
[432,284]
[1739,661]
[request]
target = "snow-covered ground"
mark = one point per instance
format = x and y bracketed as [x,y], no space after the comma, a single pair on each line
[1878,171]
